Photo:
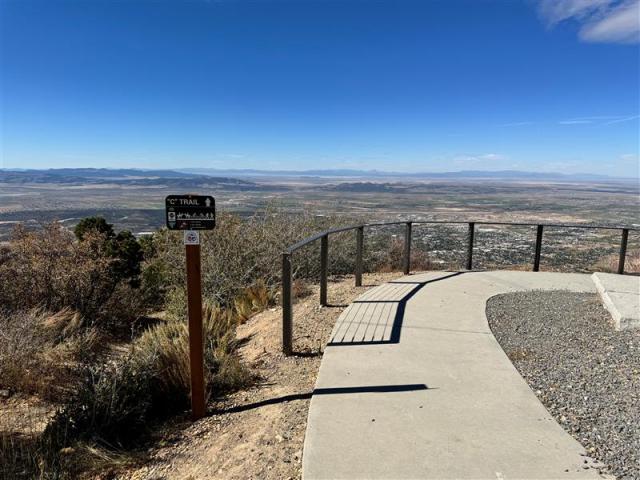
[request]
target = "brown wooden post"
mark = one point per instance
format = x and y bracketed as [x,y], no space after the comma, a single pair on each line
[407,249]
[623,250]
[536,258]
[324,268]
[472,229]
[359,251]
[287,308]
[196,340]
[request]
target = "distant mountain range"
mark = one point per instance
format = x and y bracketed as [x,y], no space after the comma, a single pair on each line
[101,173]
[233,178]
[84,176]
[463,174]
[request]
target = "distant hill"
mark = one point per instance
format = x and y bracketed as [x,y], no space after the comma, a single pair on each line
[88,176]
[103,173]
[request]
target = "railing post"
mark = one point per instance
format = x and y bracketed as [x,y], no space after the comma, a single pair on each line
[324,267]
[287,310]
[536,258]
[472,229]
[359,249]
[407,249]
[623,250]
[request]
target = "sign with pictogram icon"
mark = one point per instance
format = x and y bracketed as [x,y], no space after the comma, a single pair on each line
[190,212]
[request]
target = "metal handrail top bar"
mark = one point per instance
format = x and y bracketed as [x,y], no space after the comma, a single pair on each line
[317,236]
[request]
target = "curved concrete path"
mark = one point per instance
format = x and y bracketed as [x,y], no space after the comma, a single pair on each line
[414,385]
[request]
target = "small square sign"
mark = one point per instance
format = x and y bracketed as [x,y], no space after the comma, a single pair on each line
[192,237]
[190,212]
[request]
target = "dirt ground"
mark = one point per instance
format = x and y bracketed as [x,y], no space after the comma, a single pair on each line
[259,433]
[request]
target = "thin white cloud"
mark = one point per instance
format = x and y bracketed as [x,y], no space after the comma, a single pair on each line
[621,25]
[595,118]
[479,159]
[574,122]
[623,119]
[599,120]
[604,21]
[630,157]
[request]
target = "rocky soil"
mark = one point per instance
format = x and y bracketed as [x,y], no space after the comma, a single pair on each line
[585,373]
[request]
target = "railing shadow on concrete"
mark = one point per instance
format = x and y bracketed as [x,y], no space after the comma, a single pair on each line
[287,300]
[411,387]
[377,319]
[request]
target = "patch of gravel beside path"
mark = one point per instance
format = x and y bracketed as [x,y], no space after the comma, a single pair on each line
[585,373]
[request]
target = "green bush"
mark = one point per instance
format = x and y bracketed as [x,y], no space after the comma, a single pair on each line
[123,248]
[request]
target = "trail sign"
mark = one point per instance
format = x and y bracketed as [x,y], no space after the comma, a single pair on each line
[190,212]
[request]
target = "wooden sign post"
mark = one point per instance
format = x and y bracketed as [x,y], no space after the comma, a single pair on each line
[192,213]
[194,307]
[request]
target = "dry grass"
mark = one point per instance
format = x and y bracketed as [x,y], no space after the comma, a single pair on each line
[40,352]
[610,263]
[253,299]
[166,348]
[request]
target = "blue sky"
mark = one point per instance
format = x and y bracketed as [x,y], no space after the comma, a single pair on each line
[549,85]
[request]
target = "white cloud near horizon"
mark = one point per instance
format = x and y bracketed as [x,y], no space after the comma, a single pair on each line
[601,21]
[600,120]
[478,159]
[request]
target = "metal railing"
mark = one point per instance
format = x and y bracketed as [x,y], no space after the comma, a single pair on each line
[287,300]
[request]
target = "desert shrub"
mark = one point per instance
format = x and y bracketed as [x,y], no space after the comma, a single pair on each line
[93,225]
[392,259]
[21,341]
[117,402]
[153,279]
[49,269]
[241,253]
[111,405]
[300,288]
[253,299]
[40,352]
[123,247]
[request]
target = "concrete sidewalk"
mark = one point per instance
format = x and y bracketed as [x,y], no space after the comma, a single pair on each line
[414,385]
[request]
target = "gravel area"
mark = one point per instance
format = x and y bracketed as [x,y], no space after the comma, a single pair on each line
[585,373]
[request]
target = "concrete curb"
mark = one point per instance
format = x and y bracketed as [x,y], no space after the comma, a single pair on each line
[620,295]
